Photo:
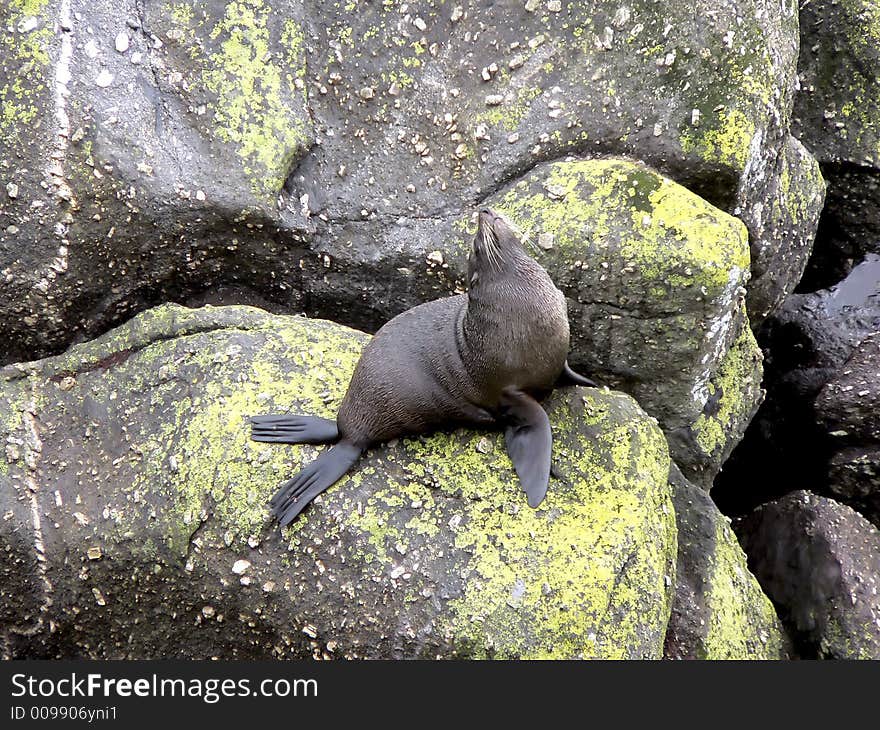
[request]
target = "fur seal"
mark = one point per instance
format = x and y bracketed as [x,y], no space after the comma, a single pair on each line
[484,359]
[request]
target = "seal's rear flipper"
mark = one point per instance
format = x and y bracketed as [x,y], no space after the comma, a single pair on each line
[528,441]
[570,377]
[324,471]
[288,429]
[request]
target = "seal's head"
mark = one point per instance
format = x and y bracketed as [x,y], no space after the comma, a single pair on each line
[496,246]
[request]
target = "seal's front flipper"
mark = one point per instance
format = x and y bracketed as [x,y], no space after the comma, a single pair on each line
[570,377]
[528,441]
[324,471]
[288,429]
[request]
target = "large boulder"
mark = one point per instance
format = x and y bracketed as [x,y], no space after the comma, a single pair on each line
[320,155]
[818,560]
[655,278]
[132,484]
[142,146]
[720,611]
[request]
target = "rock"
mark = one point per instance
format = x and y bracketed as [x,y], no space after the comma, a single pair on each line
[850,403]
[654,278]
[108,157]
[854,479]
[817,560]
[848,408]
[837,117]
[781,208]
[427,549]
[807,341]
[216,97]
[720,611]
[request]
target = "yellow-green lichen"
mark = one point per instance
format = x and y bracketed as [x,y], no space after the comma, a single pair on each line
[12,425]
[600,546]
[509,114]
[587,574]
[24,64]
[259,99]
[741,620]
[617,209]
[218,466]
[738,375]
[726,140]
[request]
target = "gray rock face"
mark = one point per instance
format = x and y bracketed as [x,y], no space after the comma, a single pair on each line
[781,207]
[135,483]
[818,561]
[142,173]
[849,409]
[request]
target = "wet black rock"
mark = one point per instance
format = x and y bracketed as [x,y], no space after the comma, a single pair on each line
[807,344]
[818,561]
[849,409]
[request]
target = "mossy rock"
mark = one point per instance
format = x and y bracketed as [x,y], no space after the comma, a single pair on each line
[149,493]
[720,611]
[837,111]
[781,203]
[654,277]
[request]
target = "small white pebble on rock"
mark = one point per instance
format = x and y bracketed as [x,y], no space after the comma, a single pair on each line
[105,78]
[122,42]
[12,190]
[240,566]
[494,99]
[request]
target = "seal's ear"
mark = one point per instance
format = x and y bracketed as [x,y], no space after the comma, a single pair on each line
[529,442]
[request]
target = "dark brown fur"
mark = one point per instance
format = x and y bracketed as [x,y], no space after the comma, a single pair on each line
[446,362]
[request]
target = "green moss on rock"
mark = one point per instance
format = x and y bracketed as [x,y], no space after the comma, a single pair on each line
[427,537]
[734,394]
[626,215]
[742,623]
[720,611]
[257,96]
